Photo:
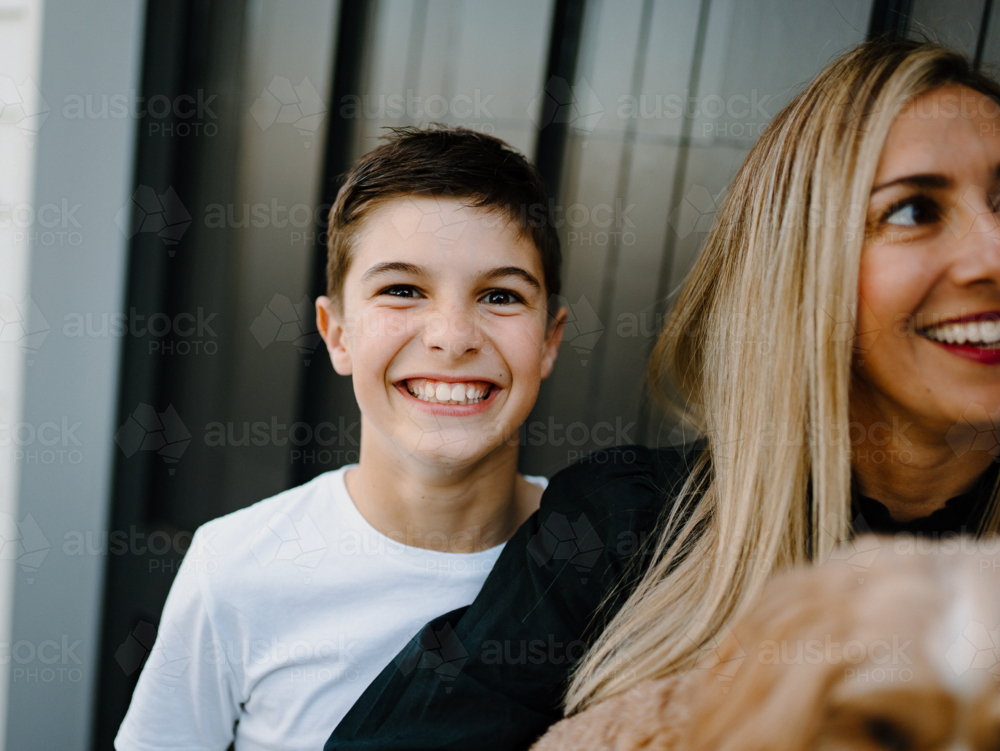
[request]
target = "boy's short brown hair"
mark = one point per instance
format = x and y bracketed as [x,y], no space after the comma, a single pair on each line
[441,162]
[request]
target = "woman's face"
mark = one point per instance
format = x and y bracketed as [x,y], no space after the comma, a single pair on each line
[930,268]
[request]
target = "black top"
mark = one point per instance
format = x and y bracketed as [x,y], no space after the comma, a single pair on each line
[493,675]
[960,515]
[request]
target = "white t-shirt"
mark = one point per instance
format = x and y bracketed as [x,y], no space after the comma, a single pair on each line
[280,616]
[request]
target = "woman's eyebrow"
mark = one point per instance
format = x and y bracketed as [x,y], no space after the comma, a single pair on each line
[917,181]
[384,268]
[502,271]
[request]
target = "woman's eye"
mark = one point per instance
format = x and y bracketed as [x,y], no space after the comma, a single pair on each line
[501,297]
[912,212]
[400,290]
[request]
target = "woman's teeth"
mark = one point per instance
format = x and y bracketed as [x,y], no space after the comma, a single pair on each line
[974,333]
[441,392]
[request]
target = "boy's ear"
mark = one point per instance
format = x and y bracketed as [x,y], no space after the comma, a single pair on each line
[553,338]
[331,327]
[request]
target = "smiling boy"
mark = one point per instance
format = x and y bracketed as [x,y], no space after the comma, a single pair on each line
[437,306]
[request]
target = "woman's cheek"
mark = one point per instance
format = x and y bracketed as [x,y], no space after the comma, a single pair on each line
[891,284]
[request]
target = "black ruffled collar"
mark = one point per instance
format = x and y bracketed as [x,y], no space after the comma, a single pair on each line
[961,514]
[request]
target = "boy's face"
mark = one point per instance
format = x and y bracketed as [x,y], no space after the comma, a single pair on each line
[444,329]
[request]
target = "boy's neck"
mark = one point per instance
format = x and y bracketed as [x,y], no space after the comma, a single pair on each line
[458,510]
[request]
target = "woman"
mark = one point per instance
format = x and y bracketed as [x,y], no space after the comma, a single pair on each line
[861,235]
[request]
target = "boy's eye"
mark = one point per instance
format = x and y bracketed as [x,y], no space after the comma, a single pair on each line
[400,290]
[912,212]
[501,297]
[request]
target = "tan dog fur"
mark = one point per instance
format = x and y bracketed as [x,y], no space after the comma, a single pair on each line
[902,656]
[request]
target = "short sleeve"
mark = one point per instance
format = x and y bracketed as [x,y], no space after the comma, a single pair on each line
[186,698]
[493,675]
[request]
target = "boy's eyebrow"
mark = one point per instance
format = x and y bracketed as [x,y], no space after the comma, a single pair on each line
[502,271]
[384,268]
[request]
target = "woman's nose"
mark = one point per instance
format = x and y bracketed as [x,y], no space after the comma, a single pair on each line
[976,228]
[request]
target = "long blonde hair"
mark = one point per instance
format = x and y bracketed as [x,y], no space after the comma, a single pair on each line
[759,351]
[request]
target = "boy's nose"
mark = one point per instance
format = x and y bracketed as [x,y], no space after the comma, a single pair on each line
[453,332]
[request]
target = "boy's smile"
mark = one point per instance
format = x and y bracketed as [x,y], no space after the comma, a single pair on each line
[444,329]
[444,396]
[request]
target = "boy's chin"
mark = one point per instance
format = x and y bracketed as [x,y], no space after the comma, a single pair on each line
[446,450]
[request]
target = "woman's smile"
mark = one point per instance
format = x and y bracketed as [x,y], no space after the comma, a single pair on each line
[973,337]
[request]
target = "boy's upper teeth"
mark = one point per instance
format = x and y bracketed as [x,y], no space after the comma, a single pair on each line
[447,392]
[969,332]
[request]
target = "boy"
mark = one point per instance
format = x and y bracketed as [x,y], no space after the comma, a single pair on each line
[284,612]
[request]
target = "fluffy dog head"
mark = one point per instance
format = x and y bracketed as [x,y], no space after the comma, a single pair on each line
[901,655]
[895,648]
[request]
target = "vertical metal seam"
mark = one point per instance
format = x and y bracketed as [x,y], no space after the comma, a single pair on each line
[607,292]
[415,48]
[680,175]
[983,30]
